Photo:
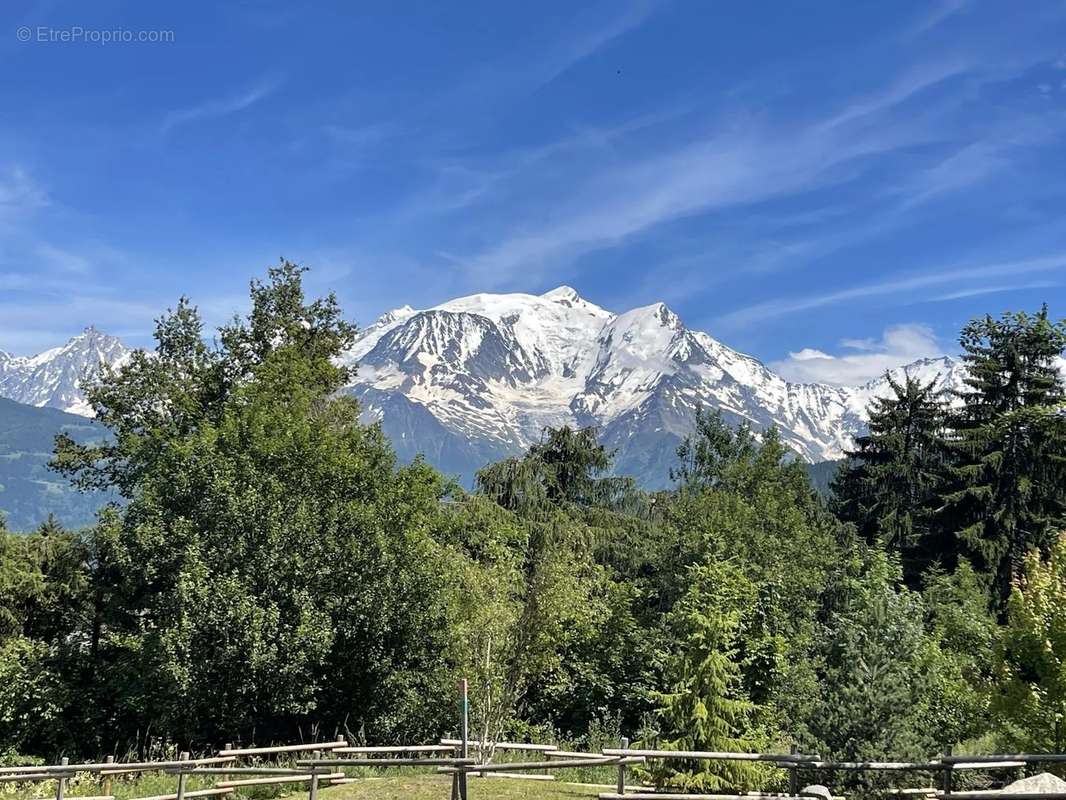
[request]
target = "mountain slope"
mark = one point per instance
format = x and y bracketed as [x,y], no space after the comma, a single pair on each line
[29,491]
[494,370]
[478,378]
[52,378]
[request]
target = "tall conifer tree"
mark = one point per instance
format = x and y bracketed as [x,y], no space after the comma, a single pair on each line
[888,485]
[1006,494]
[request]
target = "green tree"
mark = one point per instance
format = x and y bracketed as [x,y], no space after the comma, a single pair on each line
[565,467]
[705,706]
[889,484]
[1009,439]
[1030,696]
[707,456]
[258,506]
[962,654]
[43,596]
[871,658]
[750,502]
[533,592]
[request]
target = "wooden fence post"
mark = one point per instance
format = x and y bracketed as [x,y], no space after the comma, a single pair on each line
[183,777]
[793,776]
[313,791]
[225,775]
[106,788]
[945,775]
[464,723]
[623,743]
[61,786]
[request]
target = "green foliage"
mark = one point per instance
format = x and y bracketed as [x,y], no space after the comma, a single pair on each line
[1030,691]
[889,484]
[961,660]
[257,507]
[873,675]
[534,598]
[31,693]
[271,570]
[566,467]
[1006,489]
[705,706]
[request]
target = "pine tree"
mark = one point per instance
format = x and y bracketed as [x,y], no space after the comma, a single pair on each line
[706,707]
[1006,495]
[566,467]
[889,484]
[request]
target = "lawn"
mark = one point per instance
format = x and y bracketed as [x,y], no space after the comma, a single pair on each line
[438,787]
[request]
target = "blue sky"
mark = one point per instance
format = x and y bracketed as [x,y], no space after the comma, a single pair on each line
[829,186]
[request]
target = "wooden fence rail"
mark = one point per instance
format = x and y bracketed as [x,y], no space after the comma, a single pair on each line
[288,748]
[324,771]
[329,761]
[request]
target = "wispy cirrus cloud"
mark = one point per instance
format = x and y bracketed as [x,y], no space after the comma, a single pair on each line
[936,14]
[904,88]
[1002,288]
[962,277]
[222,106]
[576,49]
[20,193]
[739,162]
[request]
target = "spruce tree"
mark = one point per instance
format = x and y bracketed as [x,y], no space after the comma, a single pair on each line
[706,707]
[888,486]
[1006,494]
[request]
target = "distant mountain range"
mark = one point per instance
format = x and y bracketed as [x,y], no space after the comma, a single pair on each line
[478,378]
[52,379]
[29,491]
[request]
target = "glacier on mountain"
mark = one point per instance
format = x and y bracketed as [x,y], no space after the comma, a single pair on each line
[479,378]
[492,370]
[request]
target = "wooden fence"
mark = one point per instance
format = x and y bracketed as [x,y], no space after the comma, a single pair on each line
[324,768]
[328,761]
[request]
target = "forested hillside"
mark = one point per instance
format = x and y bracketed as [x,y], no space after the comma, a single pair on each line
[29,491]
[275,569]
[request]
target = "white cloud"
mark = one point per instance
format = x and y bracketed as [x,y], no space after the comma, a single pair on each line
[19,193]
[898,345]
[221,107]
[808,354]
[63,260]
[738,166]
[937,14]
[977,291]
[962,277]
[739,160]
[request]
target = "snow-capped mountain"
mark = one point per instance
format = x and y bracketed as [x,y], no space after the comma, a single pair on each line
[53,378]
[478,378]
[481,376]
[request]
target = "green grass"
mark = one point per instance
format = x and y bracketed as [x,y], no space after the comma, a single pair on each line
[405,783]
[85,784]
[410,785]
[438,787]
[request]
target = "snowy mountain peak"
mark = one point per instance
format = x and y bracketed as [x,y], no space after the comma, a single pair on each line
[497,368]
[563,292]
[403,312]
[478,378]
[566,295]
[53,378]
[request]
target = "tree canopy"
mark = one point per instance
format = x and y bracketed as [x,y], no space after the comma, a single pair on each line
[273,570]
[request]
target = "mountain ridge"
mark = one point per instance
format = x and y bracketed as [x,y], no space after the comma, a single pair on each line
[480,376]
[51,379]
